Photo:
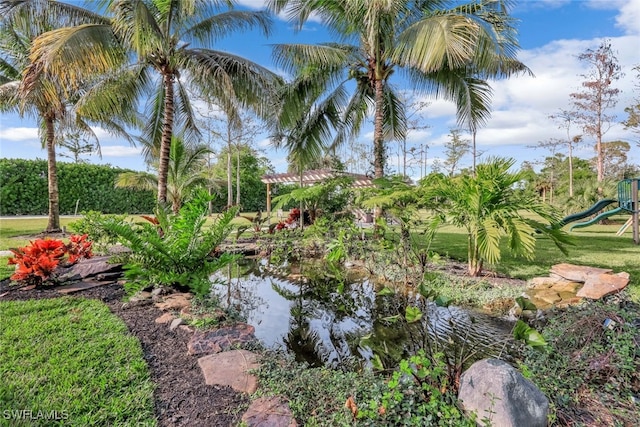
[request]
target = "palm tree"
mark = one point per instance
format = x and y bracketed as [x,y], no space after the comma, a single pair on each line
[28,90]
[489,207]
[170,39]
[447,52]
[304,122]
[186,165]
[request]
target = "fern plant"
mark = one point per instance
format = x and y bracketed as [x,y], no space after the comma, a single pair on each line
[175,250]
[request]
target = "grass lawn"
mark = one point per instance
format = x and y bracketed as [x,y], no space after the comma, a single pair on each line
[596,246]
[70,359]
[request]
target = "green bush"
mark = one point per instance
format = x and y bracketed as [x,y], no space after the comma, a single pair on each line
[91,224]
[417,394]
[174,249]
[23,189]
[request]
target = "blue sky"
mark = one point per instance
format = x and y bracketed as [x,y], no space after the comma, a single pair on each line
[552,33]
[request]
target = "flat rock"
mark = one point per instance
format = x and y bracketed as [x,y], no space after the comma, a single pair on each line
[269,412]
[230,368]
[600,286]
[221,339]
[91,267]
[569,302]
[577,273]
[165,318]
[566,287]
[175,302]
[548,295]
[542,282]
[79,286]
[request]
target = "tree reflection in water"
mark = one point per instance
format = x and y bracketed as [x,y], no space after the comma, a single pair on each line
[332,318]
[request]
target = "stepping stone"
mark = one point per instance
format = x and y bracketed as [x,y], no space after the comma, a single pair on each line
[577,273]
[269,412]
[230,368]
[604,284]
[218,340]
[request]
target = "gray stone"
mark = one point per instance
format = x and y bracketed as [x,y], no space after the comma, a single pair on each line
[141,295]
[91,267]
[175,323]
[269,412]
[230,368]
[496,391]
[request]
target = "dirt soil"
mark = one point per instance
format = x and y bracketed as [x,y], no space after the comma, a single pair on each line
[181,396]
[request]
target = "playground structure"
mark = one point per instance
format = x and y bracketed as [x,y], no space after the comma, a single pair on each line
[627,202]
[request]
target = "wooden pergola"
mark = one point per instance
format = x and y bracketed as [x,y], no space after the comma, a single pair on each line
[309,178]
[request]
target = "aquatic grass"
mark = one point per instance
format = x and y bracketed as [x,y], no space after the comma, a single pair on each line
[71,359]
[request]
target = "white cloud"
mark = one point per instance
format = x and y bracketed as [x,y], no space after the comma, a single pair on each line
[629,17]
[120,151]
[253,4]
[522,105]
[18,134]
[264,143]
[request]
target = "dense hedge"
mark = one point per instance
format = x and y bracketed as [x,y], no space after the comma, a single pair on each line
[23,189]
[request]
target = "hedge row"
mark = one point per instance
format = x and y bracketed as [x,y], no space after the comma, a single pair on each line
[23,189]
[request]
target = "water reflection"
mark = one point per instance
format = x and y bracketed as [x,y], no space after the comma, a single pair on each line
[339,319]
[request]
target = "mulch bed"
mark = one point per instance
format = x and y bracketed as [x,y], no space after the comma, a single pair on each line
[181,396]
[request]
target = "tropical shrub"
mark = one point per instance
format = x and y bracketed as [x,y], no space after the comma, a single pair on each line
[91,225]
[490,206]
[418,393]
[36,264]
[175,249]
[414,395]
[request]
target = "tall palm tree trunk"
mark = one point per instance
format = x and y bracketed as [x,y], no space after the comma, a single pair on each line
[165,142]
[378,137]
[53,225]
[301,202]
[229,174]
[378,143]
[570,170]
[238,176]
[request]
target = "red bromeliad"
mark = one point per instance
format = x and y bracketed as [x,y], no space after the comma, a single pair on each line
[36,263]
[78,248]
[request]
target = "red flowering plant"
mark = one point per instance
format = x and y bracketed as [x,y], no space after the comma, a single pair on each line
[36,263]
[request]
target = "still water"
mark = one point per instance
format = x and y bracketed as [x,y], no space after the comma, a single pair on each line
[339,318]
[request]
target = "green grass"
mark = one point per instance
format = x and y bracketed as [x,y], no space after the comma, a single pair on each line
[596,246]
[72,358]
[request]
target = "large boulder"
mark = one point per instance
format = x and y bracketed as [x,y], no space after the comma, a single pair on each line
[497,392]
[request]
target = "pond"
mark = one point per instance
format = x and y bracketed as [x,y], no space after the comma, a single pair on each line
[335,317]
